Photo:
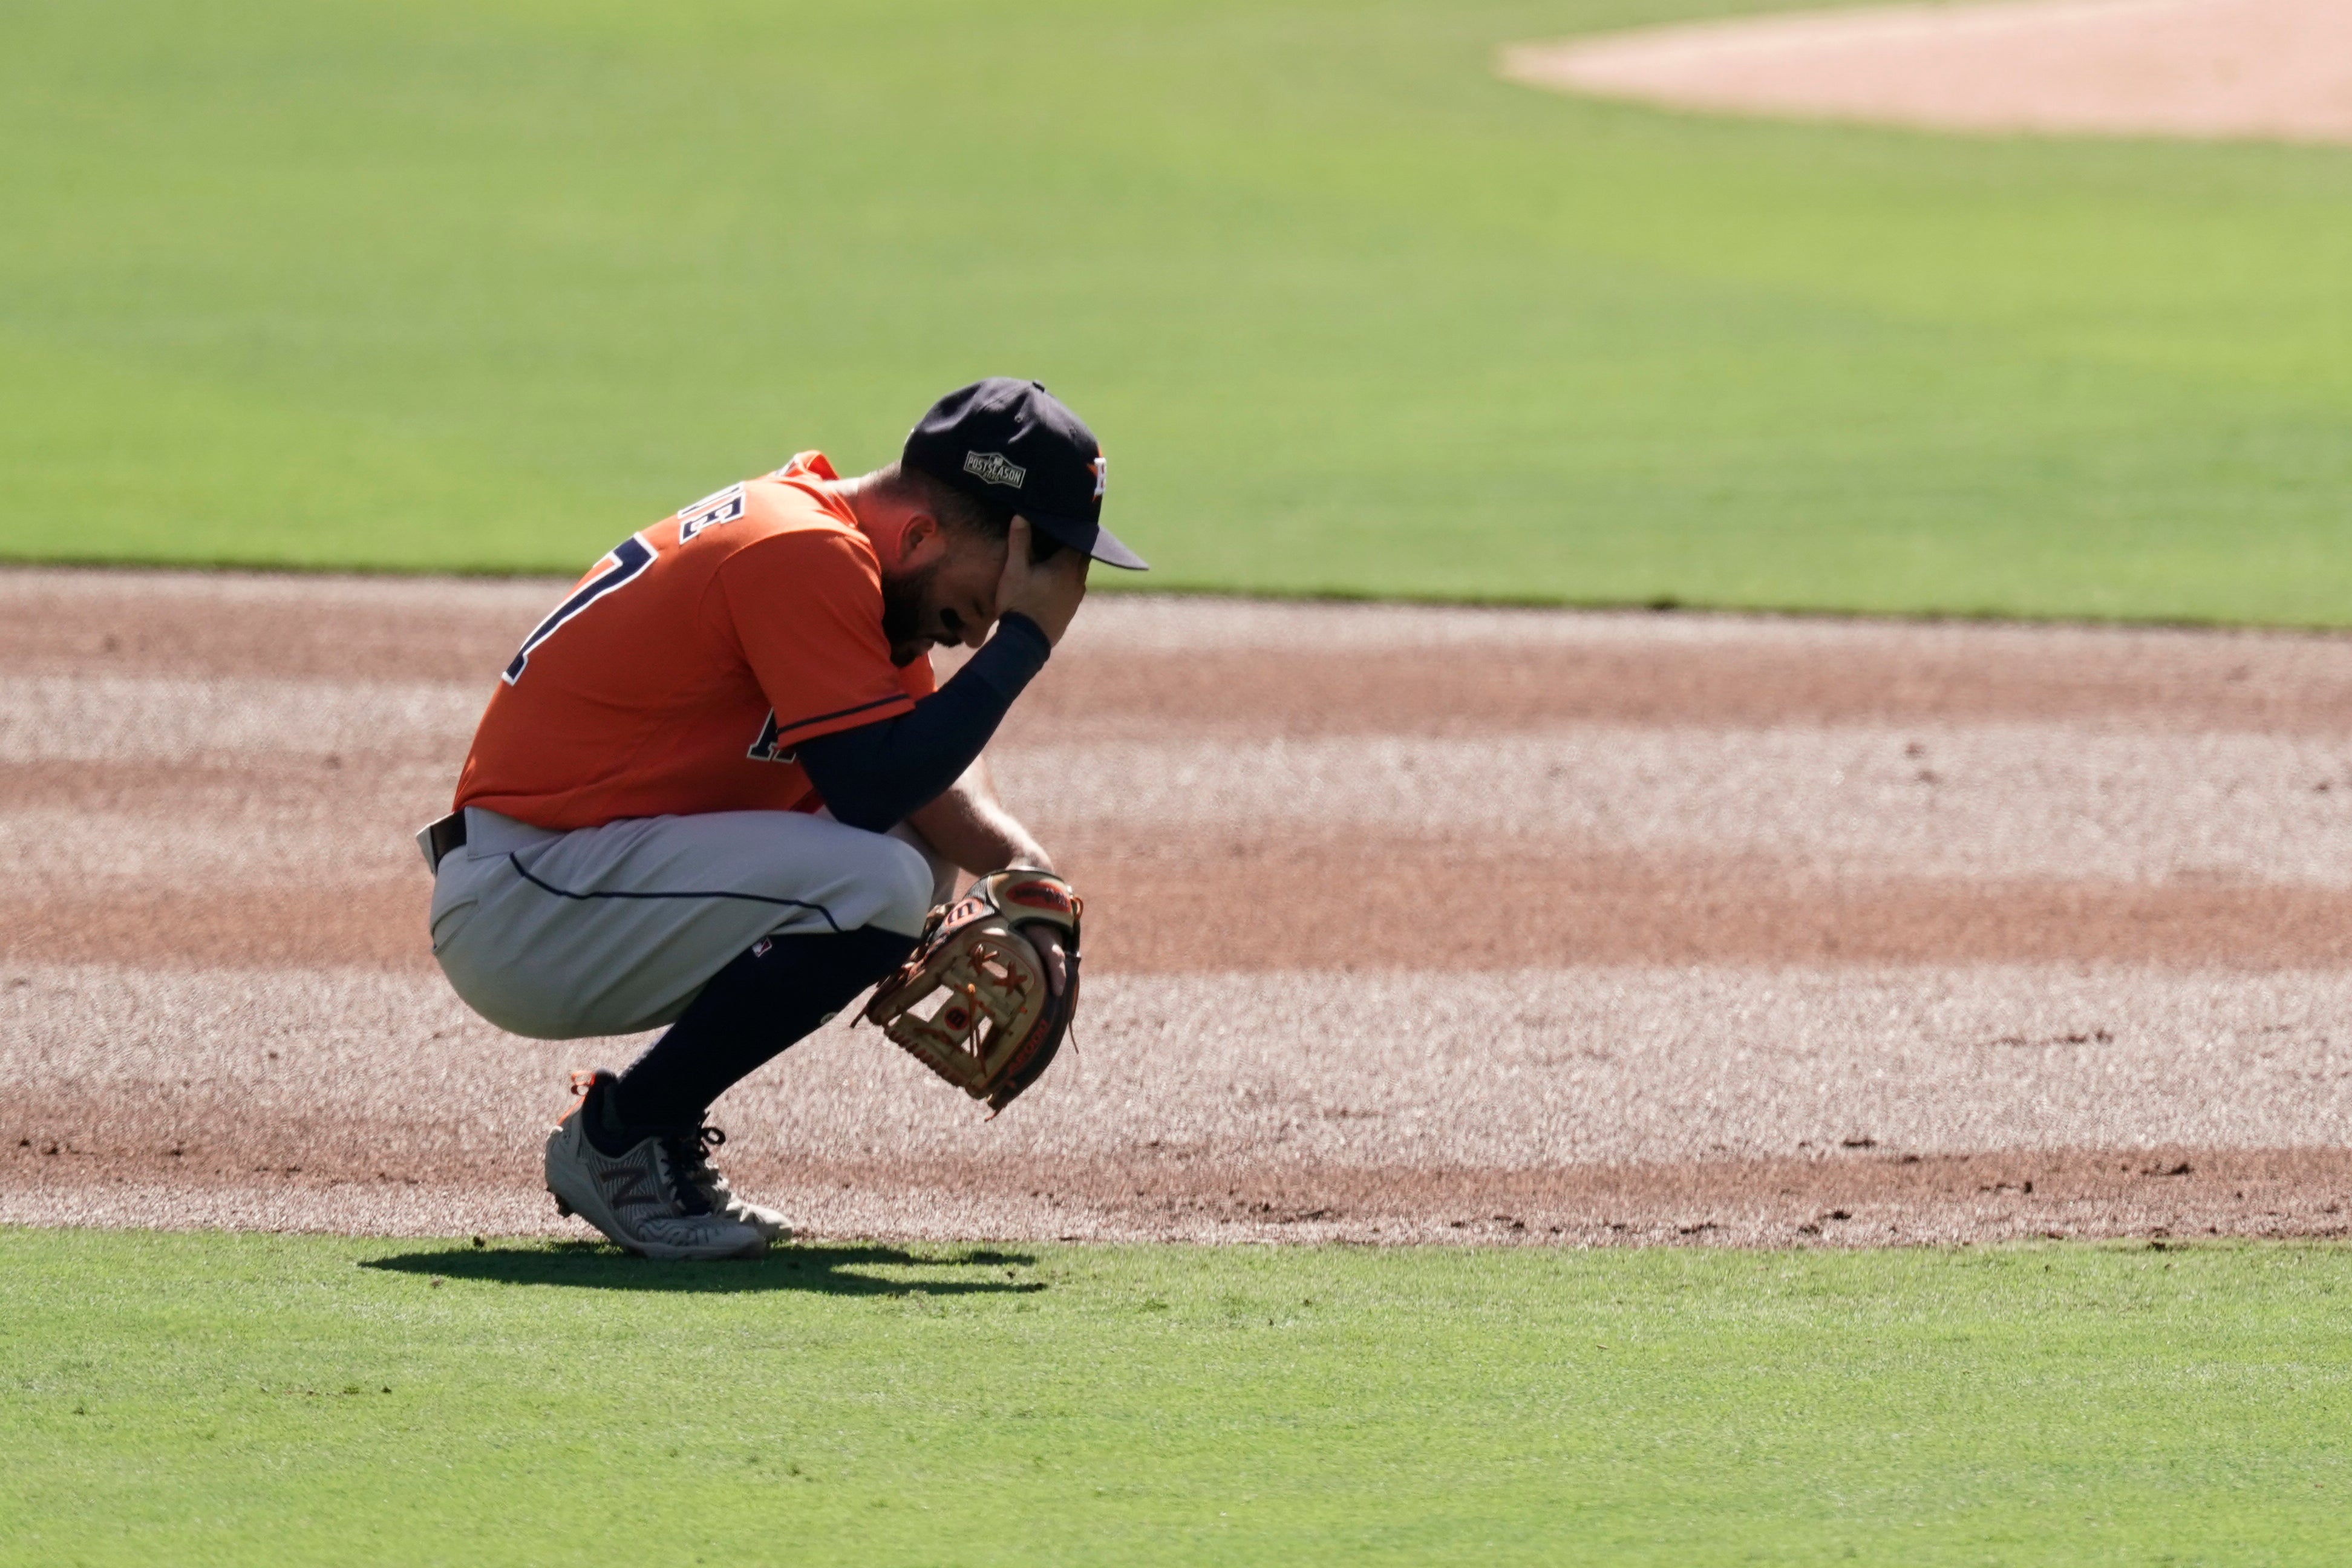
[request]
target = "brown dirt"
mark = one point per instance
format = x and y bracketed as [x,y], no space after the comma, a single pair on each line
[1408,924]
[2267,70]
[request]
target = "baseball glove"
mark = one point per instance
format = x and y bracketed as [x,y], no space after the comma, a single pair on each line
[972,1003]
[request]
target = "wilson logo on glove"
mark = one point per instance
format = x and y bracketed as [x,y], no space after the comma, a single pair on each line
[974,1003]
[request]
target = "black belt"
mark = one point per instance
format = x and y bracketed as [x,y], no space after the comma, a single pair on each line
[444,836]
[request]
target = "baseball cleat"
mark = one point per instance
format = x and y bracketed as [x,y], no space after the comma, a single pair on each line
[722,1198]
[642,1197]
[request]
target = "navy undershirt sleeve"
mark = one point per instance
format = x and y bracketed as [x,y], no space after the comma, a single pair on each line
[872,777]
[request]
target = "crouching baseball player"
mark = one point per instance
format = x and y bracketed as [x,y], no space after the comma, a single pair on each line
[715,789]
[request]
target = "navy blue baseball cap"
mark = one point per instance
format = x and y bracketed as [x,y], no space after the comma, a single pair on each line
[1016,445]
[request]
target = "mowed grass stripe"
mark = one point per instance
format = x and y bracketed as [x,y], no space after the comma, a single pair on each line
[206,1398]
[488,286]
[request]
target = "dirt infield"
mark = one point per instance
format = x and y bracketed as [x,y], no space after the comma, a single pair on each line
[1406,924]
[2258,69]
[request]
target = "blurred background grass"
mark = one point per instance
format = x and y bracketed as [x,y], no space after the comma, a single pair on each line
[485,286]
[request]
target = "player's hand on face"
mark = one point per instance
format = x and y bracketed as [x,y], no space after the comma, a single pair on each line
[1047,592]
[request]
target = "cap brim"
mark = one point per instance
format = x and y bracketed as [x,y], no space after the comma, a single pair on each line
[1091,537]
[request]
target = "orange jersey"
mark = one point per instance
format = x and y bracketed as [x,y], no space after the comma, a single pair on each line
[679,674]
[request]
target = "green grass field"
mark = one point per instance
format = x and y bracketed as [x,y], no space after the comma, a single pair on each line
[485,285]
[199,1399]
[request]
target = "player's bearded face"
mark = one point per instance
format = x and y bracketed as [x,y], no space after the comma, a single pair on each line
[906,601]
[950,599]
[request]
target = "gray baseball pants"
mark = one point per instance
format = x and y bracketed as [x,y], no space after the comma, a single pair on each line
[614,930]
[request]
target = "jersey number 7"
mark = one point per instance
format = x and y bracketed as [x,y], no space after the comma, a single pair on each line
[628,558]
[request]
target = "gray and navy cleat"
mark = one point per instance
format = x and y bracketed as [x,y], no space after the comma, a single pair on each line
[649,1197]
[722,1198]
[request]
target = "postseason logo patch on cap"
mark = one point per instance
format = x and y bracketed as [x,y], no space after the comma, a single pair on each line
[1001,435]
[994,468]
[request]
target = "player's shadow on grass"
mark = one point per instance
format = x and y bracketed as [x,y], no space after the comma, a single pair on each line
[825,1270]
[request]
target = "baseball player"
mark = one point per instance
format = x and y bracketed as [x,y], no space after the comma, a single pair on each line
[715,789]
